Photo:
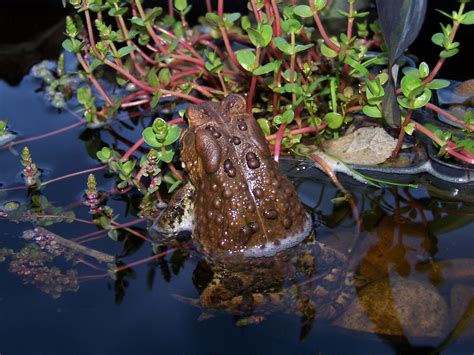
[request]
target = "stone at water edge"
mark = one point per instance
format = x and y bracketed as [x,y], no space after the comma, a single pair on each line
[401,307]
[364,146]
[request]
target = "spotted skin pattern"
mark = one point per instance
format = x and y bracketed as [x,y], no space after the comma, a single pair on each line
[243,203]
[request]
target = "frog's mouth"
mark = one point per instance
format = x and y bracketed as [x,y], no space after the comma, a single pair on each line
[270,249]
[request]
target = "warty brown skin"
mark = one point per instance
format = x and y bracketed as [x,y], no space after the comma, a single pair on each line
[242,199]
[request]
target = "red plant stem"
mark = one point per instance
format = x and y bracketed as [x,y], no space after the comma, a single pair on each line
[134,95]
[354,109]
[321,29]
[132,150]
[92,266]
[208,6]
[171,8]
[45,135]
[220,8]
[441,61]
[143,261]
[123,27]
[228,47]
[182,42]
[277,21]
[94,80]
[449,149]
[278,139]
[185,74]
[47,182]
[150,30]
[401,136]
[175,172]
[303,130]
[131,231]
[257,13]
[96,233]
[450,116]
[135,103]
[253,83]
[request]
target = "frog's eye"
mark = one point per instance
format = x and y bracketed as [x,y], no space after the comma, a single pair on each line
[234,104]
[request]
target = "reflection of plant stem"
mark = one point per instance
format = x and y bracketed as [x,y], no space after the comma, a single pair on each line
[83,238]
[143,261]
[330,172]
[45,135]
[129,230]
[47,182]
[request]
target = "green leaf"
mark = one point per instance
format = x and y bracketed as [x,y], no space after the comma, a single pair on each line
[83,96]
[303,11]
[438,39]
[357,66]
[246,59]
[291,26]
[417,102]
[266,32]
[449,53]
[104,154]
[255,37]
[215,19]
[72,45]
[173,135]
[166,155]
[150,139]
[320,4]
[328,52]
[117,12]
[180,5]
[155,99]
[372,111]
[302,47]
[122,52]
[152,79]
[468,18]
[152,14]
[282,45]
[424,70]
[164,76]
[437,84]
[411,86]
[267,68]
[137,21]
[264,126]
[334,120]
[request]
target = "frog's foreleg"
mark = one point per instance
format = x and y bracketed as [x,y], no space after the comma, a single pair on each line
[177,217]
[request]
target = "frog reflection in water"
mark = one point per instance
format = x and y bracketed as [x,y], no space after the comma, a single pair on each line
[244,214]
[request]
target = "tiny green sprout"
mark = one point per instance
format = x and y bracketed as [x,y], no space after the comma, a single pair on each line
[160,134]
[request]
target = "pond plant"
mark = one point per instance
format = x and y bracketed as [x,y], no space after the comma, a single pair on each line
[303,85]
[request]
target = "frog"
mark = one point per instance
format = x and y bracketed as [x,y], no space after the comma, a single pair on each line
[247,221]
[237,203]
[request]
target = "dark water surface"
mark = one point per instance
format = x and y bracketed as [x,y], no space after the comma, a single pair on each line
[138,314]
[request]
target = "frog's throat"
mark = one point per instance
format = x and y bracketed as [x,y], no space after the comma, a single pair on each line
[270,249]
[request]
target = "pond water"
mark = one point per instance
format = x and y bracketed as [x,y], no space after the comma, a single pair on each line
[420,240]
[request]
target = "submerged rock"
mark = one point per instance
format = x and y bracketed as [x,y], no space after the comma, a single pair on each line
[364,146]
[400,307]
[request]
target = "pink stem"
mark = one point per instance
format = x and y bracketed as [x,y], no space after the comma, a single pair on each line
[45,135]
[279,137]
